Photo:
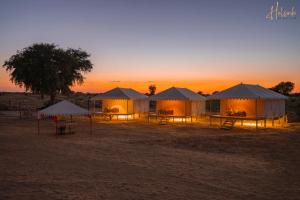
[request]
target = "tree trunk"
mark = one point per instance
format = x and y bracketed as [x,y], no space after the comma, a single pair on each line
[52,97]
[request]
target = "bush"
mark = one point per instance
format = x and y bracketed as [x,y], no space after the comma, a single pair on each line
[4,107]
[293,109]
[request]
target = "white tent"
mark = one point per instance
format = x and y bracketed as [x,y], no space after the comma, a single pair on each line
[180,101]
[123,101]
[63,108]
[254,100]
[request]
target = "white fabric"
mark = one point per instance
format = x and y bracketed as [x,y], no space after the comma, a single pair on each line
[274,108]
[198,108]
[63,108]
[120,93]
[141,106]
[174,93]
[247,91]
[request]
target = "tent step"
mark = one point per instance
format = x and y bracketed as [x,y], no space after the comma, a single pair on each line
[228,124]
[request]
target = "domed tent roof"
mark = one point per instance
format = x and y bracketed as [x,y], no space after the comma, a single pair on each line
[175,93]
[63,108]
[120,93]
[247,91]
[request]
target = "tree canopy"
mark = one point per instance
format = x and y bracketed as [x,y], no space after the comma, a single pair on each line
[47,69]
[152,90]
[203,94]
[284,88]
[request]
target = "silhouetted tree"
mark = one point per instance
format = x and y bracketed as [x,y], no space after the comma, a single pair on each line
[284,88]
[203,94]
[200,92]
[152,89]
[46,69]
[215,92]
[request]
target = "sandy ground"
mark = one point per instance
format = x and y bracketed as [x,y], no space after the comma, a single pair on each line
[142,161]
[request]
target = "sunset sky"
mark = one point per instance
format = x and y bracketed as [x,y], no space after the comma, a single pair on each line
[203,45]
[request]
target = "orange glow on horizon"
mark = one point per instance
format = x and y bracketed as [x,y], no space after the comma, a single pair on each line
[95,84]
[206,86]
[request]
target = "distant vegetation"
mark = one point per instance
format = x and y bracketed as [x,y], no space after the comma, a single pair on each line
[152,90]
[284,88]
[293,107]
[16,101]
[203,94]
[46,69]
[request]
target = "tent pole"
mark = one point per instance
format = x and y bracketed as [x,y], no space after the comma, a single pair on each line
[38,126]
[56,127]
[127,110]
[91,124]
[94,105]
[133,108]
[256,112]
[185,110]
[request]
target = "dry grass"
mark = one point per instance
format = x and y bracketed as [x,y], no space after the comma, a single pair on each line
[142,161]
[15,101]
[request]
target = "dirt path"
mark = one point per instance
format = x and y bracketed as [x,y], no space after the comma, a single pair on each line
[141,161]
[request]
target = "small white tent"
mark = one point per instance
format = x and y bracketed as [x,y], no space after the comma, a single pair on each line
[63,108]
[180,102]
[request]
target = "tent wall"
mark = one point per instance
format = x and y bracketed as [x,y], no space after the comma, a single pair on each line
[141,106]
[121,104]
[247,105]
[274,108]
[134,106]
[198,108]
[180,108]
[265,108]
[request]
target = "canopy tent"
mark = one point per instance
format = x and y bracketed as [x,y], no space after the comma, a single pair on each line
[123,101]
[179,102]
[63,108]
[252,100]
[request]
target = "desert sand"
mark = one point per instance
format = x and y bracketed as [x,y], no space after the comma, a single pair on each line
[136,160]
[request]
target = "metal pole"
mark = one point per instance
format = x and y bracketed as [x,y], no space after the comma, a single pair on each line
[38,126]
[127,111]
[133,109]
[94,102]
[91,124]
[256,108]
[185,109]
[55,126]
[256,113]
